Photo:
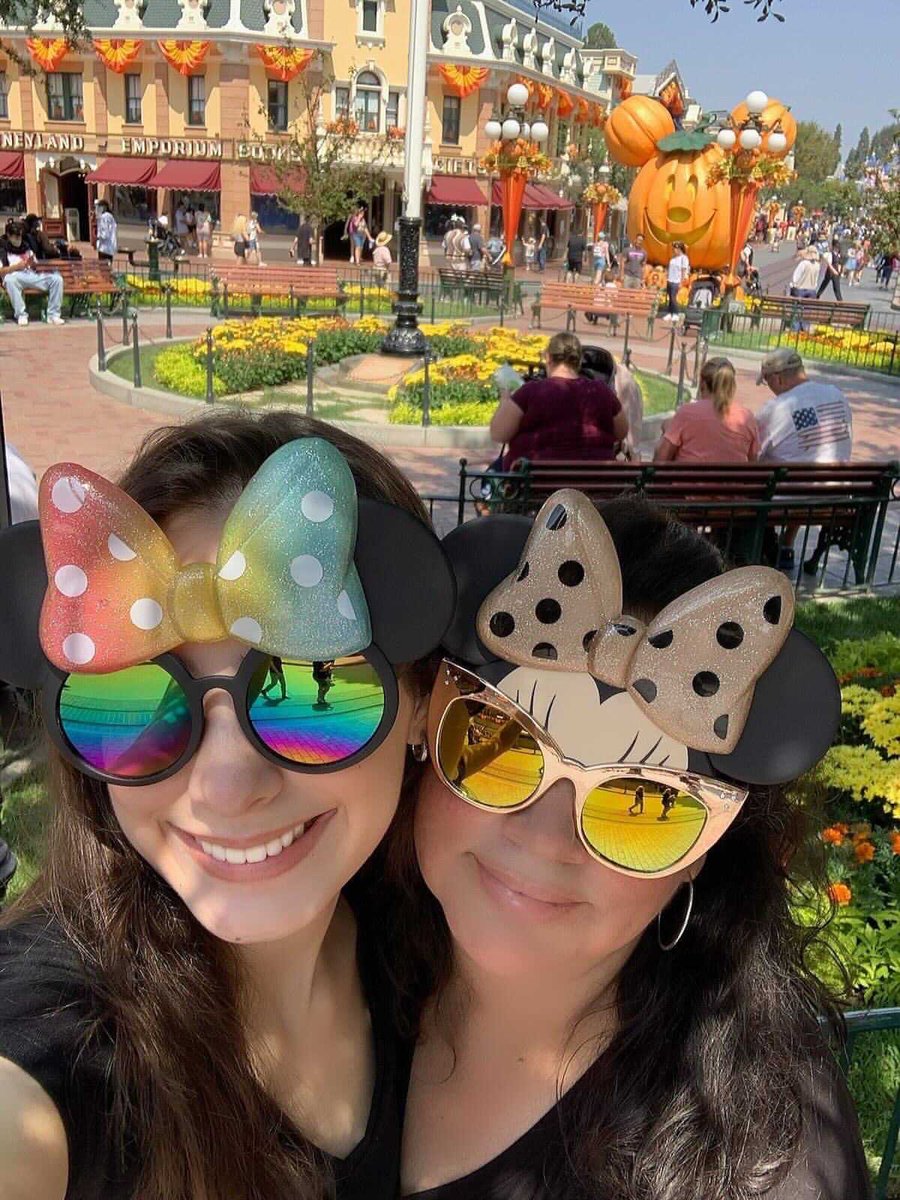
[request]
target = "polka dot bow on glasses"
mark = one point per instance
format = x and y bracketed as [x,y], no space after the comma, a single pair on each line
[284,579]
[692,670]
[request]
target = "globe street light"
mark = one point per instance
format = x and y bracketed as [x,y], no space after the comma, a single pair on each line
[756,103]
[517,95]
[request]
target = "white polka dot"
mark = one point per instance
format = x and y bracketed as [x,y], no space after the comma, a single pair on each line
[120,550]
[235,567]
[71,580]
[79,649]
[317,506]
[247,630]
[68,494]
[146,613]
[345,607]
[306,571]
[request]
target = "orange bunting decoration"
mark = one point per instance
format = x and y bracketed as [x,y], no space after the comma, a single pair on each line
[672,98]
[625,86]
[565,106]
[583,115]
[461,80]
[48,53]
[117,54]
[543,95]
[185,57]
[598,116]
[284,62]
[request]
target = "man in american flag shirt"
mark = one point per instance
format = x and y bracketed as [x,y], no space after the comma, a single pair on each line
[805,421]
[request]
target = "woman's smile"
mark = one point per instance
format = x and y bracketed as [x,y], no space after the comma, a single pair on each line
[251,861]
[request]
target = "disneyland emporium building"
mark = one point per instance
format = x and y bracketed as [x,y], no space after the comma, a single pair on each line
[184,100]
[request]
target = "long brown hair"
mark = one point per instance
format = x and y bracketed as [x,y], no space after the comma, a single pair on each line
[698,1094]
[187,1100]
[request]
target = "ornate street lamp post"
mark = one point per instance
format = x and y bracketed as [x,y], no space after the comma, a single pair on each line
[406,338]
[505,129]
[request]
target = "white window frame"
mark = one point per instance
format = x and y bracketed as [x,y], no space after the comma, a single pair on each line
[366,37]
[369,89]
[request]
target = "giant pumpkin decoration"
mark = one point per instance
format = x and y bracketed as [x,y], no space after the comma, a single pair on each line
[673,200]
[772,114]
[634,127]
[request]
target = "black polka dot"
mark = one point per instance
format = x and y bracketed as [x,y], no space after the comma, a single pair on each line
[625,630]
[547,611]
[720,727]
[544,650]
[646,689]
[588,638]
[571,573]
[729,635]
[523,574]
[706,683]
[772,610]
[502,624]
[558,517]
[660,641]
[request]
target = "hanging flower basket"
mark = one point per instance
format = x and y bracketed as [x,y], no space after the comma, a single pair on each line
[520,157]
[601,193]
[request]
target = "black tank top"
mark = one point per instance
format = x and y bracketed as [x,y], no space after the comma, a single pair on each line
[46,1009]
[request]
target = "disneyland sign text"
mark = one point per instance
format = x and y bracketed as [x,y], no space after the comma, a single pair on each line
[10,140]
[151,147]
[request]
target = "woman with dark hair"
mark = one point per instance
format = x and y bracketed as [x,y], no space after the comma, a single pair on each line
[562,416]
[190,1004]
[610,1005]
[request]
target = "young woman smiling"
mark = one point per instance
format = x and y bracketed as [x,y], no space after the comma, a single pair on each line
[230,654]
[593,931]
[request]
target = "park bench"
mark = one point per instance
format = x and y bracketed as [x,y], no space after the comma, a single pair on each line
[82,280]
[740,506]
[790,312]
[596,302]
[295,285]
[482,286]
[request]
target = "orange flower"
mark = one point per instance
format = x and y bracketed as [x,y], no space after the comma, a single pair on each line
[839,893]
[845,829]
[833,836]
[895,842]
[865,852]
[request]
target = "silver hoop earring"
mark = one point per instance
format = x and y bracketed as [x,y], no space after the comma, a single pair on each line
[420,752]
[684,924]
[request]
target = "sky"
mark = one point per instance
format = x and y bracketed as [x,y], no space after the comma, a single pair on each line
[831,60]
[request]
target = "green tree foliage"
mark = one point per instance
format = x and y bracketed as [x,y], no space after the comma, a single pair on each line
[600,37]
[816,156]
[840,199]
[856,158]
[839,137]
[884,215]
[884,141]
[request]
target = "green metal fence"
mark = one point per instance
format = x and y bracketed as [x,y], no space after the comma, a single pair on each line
[874,346]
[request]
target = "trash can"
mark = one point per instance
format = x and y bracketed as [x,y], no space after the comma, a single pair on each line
[73,225]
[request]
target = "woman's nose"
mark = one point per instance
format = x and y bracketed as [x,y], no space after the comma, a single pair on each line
[547,827]
[229,774]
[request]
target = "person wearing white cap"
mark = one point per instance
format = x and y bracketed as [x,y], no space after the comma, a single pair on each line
[805,421]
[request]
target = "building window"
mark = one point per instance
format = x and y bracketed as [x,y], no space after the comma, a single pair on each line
[278,105]
[562,138]
[450,121]
[342,102]
[4,97]
[370,16]
[392,112]
[368,102]
[65,98]
[196,100]
[133,99]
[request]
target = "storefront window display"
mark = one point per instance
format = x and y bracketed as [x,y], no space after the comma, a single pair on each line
[133,205]
[437,218]
[12,196]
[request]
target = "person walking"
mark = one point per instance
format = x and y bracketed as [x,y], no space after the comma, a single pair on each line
[603,256]
[239,237]
[476,248]
[575,251]
[303,243]
[715,428]
[204,231]
[564,415]
[678,275]
[634,260]
[17,273]
[381,258]
[254,229]
[805,279]
[543,244]
[834,265]
[107,232]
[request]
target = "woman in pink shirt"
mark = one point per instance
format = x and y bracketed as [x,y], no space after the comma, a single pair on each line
[714,428]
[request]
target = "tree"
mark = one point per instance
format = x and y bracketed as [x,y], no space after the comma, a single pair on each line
[884,216]
[839,137]
[326,168]
[600,37]
[815,155]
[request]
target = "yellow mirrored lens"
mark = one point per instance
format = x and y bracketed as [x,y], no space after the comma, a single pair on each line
[487,755]
[641,824]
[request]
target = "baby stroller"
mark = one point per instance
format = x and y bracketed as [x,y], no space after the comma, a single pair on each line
[704,291]
[169,244]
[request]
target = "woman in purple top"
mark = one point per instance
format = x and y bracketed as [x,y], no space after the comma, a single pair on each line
[563,416]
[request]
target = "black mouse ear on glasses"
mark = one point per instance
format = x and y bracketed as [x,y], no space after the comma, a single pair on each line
[23,582]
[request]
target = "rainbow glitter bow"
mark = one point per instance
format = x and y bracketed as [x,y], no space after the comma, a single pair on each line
[284,579]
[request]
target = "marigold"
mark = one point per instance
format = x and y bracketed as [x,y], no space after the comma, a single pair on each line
[832,836]
[895,842]
[839,893]
[865,852]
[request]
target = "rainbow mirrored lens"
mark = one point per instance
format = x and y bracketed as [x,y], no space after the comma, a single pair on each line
[641,824]
[487,755]
[131,723]
[317,713]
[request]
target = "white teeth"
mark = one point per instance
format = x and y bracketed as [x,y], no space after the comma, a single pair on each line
[255,854]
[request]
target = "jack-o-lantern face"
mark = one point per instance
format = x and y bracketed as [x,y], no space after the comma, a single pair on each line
[673,200]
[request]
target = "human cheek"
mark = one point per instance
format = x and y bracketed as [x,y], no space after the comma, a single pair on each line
[623,906]
[446,830]
[143,812]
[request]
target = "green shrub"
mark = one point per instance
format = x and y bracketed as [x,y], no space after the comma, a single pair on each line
[250,370]
[334,345]
[176,370]
[472,412]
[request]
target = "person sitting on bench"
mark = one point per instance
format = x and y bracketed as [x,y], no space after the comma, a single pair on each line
[18,274]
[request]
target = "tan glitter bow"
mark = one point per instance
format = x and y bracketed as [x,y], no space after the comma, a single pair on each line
[692,670]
